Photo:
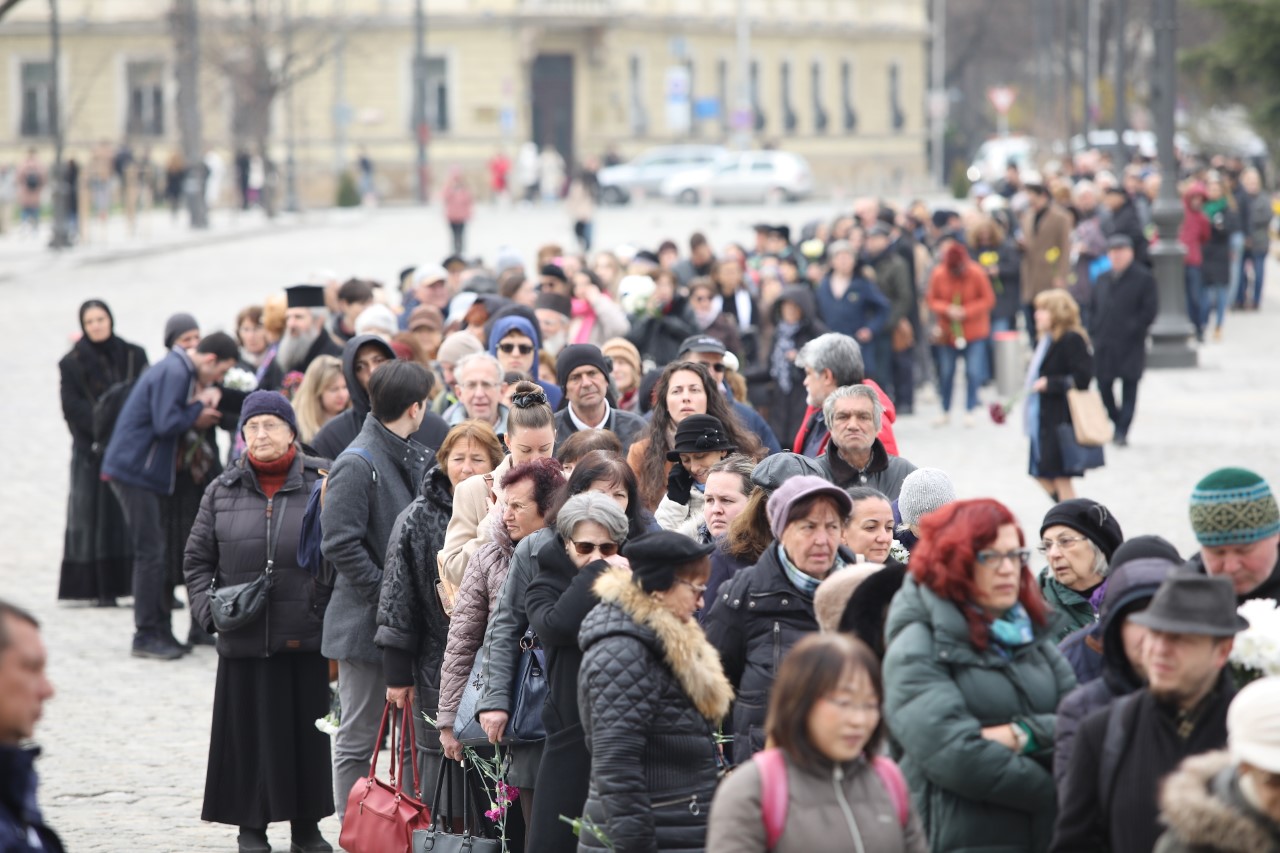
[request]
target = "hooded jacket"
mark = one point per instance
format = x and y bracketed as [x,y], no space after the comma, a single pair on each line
[504,326]
[651,692]
[971,793]
[339,432]
[1206,812]
[1096,653]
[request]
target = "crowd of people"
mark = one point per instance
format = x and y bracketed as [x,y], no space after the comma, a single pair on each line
[674,481]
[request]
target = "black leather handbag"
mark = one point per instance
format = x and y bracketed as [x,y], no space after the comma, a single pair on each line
[233,607]
[527,698]
[440,837]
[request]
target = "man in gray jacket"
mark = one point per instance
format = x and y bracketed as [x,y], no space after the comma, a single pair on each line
[583,374]
[375,478]
[855,456]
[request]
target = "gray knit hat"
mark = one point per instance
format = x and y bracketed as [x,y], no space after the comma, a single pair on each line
[923,491]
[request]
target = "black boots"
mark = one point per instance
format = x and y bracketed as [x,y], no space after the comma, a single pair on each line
[306,838]
[253,840]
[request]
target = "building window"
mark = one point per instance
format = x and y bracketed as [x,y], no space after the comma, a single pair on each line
[635,86]
[436,109]
[789,120]
[145,84]
[820,119]
[896,115]
[846,97]
[36,80]
[760,119]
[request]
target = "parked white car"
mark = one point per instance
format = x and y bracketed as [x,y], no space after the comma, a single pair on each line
[647,171]
[753,176]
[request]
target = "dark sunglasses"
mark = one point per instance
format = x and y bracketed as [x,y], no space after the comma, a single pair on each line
[606,549]
[523,349]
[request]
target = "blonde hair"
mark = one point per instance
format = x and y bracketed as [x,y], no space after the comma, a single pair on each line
[1064,313]
[306,402]
[273,311]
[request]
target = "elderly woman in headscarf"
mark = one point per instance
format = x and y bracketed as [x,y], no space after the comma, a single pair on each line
[100,367]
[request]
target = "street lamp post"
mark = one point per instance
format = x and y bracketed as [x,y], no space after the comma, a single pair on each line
[61,238]
[1170,336]
[420,97]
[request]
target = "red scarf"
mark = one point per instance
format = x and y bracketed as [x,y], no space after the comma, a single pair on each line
[271,475]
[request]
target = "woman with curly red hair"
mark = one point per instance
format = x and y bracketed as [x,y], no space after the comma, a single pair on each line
[972,683]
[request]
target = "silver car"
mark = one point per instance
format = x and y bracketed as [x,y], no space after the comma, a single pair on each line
[647,171]
[754,176]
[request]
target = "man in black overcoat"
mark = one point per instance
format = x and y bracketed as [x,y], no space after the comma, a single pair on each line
[1124,309]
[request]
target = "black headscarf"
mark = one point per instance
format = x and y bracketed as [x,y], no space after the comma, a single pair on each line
[106,362]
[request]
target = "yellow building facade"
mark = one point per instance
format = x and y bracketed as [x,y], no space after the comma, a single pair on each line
[841,82]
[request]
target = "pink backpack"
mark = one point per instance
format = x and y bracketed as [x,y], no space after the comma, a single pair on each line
[774,793]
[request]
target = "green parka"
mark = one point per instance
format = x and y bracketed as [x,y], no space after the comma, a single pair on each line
[972,794]
[1075,608]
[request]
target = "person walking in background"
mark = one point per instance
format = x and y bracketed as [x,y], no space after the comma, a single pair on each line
[527,171]
[264,767]
[1193,233]
[458,203]
[31,180]
[1125,306]
[365,181]
[581,204]
[1061,362]
[550,173]
[1046,246]
[96,564]
[499,177]
[851,305]
[1257,210]
[1224,221]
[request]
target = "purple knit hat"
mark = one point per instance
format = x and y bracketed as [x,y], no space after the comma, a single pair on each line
[797,489]
[268,403]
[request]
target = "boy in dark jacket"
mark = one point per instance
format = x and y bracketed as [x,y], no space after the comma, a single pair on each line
[141,462]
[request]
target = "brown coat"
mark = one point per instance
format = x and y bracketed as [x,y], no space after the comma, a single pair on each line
[816,820]
[1046,257]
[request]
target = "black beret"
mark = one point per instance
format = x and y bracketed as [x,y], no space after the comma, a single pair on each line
[655,557]
[1089,518]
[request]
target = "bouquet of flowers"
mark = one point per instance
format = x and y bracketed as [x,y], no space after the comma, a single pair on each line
[239,379]
[899,552]
[1256,653]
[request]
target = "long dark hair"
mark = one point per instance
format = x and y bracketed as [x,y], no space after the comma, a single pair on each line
[653,470]
[603,465]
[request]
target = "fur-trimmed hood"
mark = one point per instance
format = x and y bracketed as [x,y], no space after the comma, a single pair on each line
[1202,806]
[626,609]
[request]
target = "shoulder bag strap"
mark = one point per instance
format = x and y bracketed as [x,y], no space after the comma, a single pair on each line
[774,793]
[276,506]
[891,776]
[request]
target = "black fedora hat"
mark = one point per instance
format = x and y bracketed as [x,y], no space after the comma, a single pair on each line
[1192,603]
[700,434]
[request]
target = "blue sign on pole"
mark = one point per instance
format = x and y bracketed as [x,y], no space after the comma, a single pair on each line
[706,108]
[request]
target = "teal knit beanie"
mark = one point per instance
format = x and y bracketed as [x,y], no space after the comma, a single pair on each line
[1233,506]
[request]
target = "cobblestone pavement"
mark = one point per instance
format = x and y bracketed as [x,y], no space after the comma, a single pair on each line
[126,740]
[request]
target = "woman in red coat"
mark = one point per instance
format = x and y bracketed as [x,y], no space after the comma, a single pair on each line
[961,297]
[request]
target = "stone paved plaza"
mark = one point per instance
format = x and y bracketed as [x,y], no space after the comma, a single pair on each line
[125,740]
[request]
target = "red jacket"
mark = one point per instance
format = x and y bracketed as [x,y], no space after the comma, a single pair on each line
[1194,231]
[972,291]
[886,424]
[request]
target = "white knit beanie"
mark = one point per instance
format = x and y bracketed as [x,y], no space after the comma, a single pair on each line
[923,491]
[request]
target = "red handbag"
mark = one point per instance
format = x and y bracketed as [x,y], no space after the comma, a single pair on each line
[380,816]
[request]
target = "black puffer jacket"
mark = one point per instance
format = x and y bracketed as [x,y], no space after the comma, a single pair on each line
[651,692]
[758,618]
[229,538]
[412,625]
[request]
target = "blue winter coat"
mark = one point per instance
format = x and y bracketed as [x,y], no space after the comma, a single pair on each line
[143,450]
[20,818]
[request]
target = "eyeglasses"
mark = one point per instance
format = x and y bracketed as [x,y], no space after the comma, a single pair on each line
[523,349]
[994,559]
[606,549]
[269,428]
[479,386]
[698,588]
[1064,543]
[715,368]
[849,706]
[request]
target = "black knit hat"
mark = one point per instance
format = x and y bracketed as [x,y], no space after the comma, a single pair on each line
[655,557]
[177,326]
[1089,518]
[1144,547]
[268,403]
[557,302]
[698,434]
[579,355]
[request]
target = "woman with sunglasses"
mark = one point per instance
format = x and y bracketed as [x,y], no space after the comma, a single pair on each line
[591,529]
[973,679]
[652,693]
[514,340]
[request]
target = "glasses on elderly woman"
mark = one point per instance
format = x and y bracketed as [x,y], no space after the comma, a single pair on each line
[272,427]
[606,549]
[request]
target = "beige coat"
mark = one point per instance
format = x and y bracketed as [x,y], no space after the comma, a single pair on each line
[472,499]
[816,819]
[1046,259]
